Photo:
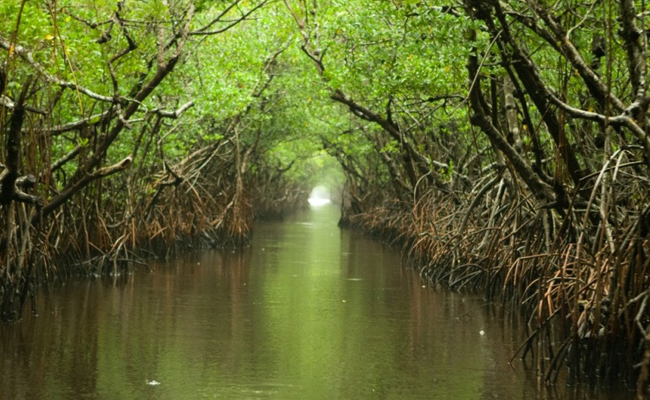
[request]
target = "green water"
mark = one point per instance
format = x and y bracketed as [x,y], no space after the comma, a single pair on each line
[307,312]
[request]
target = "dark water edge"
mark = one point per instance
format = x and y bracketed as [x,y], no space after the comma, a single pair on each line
[309,311]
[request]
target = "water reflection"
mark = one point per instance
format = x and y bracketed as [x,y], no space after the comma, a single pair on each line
[307,312]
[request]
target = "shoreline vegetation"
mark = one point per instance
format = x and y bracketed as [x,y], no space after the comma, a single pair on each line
[502,144]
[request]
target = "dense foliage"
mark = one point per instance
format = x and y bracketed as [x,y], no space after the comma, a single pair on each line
[503,143]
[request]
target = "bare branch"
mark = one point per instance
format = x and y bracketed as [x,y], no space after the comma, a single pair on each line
[204,31]
[80,184]
[636,46]
[75,125]
[27,56]
[130,47]
[90,24]
[23,197]
[623,119]
[174,114]
[218,18]
[257,90]
[63,160]
[596,86]
[7,102]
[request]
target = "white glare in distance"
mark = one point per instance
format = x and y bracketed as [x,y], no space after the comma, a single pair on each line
[315,201]
[319,196]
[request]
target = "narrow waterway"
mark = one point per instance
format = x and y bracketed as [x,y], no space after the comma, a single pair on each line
[307,312]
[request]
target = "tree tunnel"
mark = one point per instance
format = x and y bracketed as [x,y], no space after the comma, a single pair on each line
[502,144]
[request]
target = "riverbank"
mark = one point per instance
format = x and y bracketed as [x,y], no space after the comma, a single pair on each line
[307,311]
[579,320]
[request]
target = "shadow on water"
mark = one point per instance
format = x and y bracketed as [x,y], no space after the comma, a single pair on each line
[307,312]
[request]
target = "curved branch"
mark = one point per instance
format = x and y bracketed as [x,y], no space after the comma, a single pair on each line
[27,56]
[174,114]
[80,184]
[623,119]
[204,30]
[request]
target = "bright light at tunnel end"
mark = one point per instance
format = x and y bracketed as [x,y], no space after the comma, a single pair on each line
[319,196]
[318,202]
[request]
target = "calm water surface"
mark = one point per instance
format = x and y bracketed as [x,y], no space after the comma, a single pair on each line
[307,312]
